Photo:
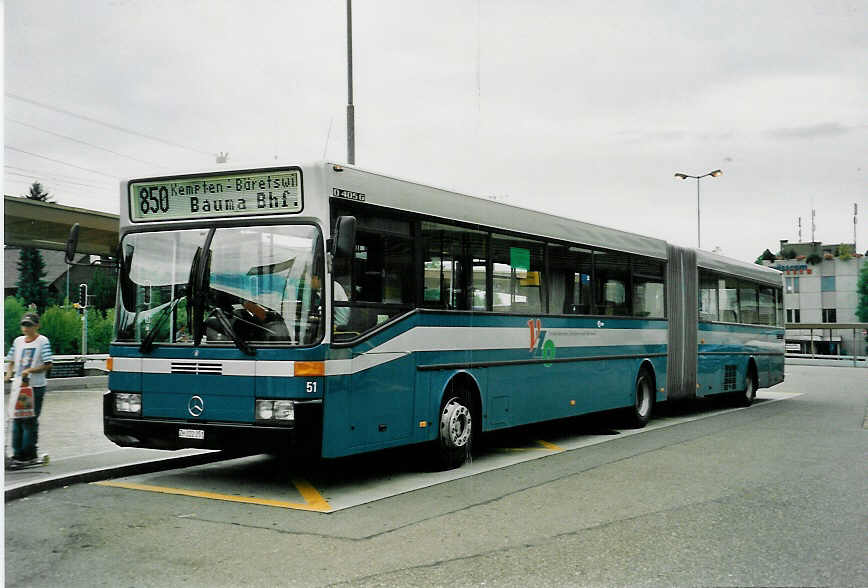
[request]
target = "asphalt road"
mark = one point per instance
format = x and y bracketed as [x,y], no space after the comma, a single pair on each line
[771,495]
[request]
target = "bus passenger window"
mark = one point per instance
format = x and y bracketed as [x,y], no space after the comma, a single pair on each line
[612,274]
[748,303]
[517,275]
[727,297]
[767,312]
[570,280]
[708,307]
[649,298]
[455,267]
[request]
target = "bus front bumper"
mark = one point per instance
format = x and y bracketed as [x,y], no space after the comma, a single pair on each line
[304,437]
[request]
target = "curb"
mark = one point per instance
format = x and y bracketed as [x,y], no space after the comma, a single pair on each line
[108,473]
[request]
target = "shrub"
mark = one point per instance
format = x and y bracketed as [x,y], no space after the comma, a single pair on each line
[99,330]
[62,326]
[13,309]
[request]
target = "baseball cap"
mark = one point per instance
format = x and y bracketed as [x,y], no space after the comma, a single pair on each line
[31,318]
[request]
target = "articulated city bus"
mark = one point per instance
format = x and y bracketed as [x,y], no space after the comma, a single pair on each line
[331,309]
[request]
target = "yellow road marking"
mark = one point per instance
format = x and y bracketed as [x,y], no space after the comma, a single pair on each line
[549,446]
[543,445]
[313,499]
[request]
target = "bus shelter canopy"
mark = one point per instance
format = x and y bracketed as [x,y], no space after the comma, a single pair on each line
[44,225]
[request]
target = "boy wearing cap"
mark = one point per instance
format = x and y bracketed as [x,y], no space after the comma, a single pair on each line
[30,356]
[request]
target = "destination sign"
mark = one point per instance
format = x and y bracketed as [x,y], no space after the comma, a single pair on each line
[231,195]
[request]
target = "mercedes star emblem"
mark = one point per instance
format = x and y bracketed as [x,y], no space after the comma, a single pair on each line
[196,406]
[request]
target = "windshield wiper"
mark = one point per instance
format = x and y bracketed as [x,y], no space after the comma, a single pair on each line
[148,342]
[227,328]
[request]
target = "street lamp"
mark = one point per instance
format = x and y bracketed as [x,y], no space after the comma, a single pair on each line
[713,174]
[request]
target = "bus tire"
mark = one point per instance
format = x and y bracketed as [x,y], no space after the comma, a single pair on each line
[746,396]
[639,414]
[455,437]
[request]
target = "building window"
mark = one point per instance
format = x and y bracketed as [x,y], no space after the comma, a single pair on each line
[792,285]
[827,284]
[830,315]
[789,315]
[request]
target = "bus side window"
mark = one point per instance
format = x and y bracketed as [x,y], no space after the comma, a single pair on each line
[570,279]
[455,267]
[612,275]
[517,275]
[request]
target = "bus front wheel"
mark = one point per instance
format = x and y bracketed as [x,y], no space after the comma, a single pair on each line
[455,438]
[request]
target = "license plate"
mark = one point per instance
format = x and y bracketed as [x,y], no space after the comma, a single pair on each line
[191,434]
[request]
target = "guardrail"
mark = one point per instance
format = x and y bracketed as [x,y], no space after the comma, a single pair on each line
[857,340]
[69,366]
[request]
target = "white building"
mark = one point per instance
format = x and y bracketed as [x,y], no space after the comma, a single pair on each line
[820,286]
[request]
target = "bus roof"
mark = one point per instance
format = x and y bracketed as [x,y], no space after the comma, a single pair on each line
[726,265]
[383,190]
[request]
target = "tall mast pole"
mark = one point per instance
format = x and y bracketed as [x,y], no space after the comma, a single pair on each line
[351,116]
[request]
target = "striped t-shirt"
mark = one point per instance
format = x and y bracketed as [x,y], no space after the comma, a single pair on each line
[32,354]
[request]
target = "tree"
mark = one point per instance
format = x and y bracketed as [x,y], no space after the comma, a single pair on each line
[37,192]
[862,292]
[102,289]
[814,259]
[766,256]
[32,289]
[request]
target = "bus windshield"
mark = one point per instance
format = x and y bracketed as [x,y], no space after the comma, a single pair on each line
[263,284]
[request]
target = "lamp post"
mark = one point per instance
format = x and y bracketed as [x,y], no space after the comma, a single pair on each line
[713,174]
[351,111]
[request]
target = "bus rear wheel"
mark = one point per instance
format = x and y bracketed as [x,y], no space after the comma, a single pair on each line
[746,397]
[455,437]
[639,414]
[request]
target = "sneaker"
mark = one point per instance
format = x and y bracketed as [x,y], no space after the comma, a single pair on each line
[23,463]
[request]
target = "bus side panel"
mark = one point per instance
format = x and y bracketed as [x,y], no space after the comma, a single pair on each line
[370,409]
[776,369]
[381,404]
[337,435]
[725,351]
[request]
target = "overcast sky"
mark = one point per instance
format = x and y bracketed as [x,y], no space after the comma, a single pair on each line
[584,109]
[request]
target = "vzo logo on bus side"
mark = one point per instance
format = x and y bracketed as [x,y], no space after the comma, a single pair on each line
[539,346]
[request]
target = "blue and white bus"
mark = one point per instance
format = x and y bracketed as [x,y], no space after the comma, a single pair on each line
[331,309]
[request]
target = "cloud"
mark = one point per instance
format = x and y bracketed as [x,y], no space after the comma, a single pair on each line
[816,131]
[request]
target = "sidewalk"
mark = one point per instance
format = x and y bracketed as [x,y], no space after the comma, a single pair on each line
[70,431]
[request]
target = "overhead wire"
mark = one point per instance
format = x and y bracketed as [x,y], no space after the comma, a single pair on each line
[68,138]
[41,173]
[106,124]
[44,177]
[93,171]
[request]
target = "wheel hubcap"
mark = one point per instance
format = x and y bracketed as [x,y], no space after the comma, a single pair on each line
[643,398]
[455,424]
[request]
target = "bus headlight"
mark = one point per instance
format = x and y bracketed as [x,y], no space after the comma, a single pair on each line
[275,410]
[126,403]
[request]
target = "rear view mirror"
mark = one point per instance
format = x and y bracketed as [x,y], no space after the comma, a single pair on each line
[344,242]
[72,244]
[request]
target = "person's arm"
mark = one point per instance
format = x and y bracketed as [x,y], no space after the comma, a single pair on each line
[10,364]
[35,370]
